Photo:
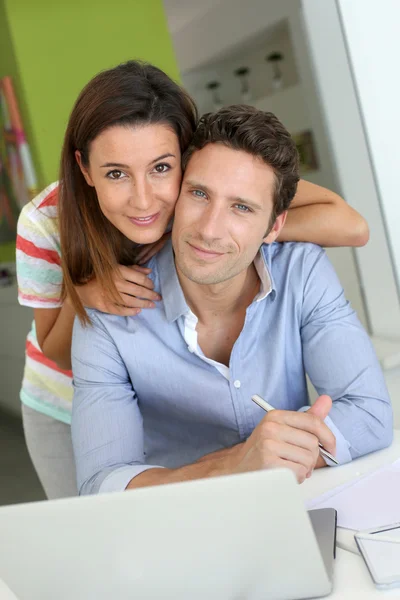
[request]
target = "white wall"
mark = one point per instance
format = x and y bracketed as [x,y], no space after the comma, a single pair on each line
[227,23]
[253,55]
[324,36]
[15,322]
[371,30]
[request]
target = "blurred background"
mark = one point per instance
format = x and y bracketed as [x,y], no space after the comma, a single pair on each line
[326,69]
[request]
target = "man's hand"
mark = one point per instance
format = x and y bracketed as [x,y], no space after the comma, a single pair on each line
[282,439]
[287,439]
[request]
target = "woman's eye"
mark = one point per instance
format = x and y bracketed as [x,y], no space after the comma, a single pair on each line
[242,208]
[199,194]
[162,168]
[115,174]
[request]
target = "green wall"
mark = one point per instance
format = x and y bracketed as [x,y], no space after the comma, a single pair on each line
[59,46]
[8,66]
[8,63]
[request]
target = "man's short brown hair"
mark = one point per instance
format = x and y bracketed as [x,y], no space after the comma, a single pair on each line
[258,133]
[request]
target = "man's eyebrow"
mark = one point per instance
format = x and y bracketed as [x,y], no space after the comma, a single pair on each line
[197,185]
[238,199]
[123,166]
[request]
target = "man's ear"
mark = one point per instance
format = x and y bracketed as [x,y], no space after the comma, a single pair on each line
[85,171]
[276,228]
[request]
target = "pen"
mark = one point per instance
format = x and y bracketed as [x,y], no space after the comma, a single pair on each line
[267,407]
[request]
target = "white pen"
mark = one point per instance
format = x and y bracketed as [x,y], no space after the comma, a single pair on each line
[267,407]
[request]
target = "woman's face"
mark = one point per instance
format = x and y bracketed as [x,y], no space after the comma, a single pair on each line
[136,171]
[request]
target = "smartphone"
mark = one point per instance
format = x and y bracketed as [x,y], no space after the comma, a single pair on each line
[380,549]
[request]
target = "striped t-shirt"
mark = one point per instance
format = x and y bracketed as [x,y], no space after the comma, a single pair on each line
[45,387]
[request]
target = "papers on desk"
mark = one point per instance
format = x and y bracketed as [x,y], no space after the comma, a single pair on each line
[365,502]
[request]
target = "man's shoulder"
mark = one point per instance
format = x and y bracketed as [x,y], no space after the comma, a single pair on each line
[107,320]
[292,264]
[292,252]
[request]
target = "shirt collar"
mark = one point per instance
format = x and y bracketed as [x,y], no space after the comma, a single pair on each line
[171,291]
[264,272]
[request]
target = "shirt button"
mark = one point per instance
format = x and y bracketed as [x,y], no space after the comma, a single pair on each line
[236,383]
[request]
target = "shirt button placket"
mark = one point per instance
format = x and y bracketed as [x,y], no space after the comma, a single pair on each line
[239,409]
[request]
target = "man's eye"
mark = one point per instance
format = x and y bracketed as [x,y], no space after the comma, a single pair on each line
[115,174]
[162,168]
[199,194]
[242,207]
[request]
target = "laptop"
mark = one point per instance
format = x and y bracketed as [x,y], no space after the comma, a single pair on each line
[239,537]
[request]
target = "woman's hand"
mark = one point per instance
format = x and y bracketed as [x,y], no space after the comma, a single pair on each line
[134,287]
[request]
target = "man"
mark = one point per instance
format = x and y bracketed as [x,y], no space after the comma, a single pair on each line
[166,396]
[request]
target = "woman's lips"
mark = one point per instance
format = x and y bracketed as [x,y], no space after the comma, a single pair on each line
[144,221]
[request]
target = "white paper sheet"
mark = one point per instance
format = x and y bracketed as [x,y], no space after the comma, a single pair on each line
[366,502]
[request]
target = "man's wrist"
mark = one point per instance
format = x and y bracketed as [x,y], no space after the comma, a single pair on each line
[216,464]
[225,461]
[222,453]
[149,477]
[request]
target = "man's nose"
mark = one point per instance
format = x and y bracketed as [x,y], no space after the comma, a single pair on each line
[212,224]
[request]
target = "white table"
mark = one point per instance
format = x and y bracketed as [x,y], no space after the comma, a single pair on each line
[351,577]
[352,580]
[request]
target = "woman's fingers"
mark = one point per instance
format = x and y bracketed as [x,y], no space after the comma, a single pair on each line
[140,269]
[135,283]
[135,291]
[130,305]
[134,275]
[128,301]
[122,311]
[131,291]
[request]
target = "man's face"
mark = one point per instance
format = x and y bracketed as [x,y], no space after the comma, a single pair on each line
[222,214]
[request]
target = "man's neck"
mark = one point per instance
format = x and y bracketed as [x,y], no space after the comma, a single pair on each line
[222,300]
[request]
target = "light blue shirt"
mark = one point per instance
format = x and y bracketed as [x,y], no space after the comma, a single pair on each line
[145,394]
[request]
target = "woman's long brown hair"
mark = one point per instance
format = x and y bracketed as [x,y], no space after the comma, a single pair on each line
[130,94]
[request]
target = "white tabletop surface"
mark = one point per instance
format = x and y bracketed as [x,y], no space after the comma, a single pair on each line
[352,580]
[351,576]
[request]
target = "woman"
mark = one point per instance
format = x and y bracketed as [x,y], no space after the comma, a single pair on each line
[120,175]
